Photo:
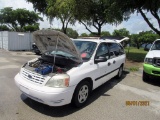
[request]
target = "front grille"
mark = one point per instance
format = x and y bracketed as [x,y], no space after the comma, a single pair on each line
[156,62]
[31,76]
[156,72]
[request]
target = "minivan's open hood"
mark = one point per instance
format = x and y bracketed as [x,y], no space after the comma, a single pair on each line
[48,40]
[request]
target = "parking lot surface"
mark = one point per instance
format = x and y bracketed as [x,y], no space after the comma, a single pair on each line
[111,101]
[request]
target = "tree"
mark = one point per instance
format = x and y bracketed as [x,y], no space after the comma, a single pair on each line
[143,7]
[62,10]
[25,17]
[31,28]
[121,32]
[105,33]
[4,28]
[84,35]
[17,19]
[7,18]
[144,37]
[97,13]
[72,33]
[147,37]
[39,5]
[135,40]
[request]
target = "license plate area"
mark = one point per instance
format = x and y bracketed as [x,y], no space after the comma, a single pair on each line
[24,89]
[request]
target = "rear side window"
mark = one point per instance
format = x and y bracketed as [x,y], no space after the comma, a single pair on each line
[115,49]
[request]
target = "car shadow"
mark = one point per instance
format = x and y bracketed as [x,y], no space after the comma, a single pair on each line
[154,82]
[69,109]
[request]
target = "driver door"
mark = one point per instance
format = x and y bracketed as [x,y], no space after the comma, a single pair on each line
[104,67]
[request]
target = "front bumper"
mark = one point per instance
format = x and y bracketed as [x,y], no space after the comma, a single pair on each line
[43,94]
[151,70]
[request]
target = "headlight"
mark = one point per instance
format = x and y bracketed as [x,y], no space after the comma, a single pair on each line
[148,60]
[59,81]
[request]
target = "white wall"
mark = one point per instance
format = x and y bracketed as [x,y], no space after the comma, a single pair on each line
[15,40]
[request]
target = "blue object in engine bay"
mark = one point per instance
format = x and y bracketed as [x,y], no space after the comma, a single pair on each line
[44,69]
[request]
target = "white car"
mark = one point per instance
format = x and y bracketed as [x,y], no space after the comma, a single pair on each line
[69,70]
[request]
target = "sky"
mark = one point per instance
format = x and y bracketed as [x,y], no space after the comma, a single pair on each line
[135,24]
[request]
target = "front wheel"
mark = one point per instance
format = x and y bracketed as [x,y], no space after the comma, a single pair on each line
[81,94]
[120,72]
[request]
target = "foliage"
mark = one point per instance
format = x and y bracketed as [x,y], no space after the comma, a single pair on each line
[146,38]
[17,19]
[25,17]
[97,13]
[39,5]
[72,33]
[62,10]
[93,35]
[105,33]
[31,28]
[143,7]
[84,35]
[4,28]
[135,41]
[94,13]
[121,32]
[7,17]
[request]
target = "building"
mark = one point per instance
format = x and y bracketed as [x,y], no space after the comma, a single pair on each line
[15,40]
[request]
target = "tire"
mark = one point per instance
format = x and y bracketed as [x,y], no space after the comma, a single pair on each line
[81,94]
[120,72]
[145,77]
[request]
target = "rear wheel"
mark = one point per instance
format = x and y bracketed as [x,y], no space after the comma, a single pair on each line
[120,72]
[81,94]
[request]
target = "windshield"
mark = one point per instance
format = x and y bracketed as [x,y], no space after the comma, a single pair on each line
[60,53]
[156,45]
[86,48]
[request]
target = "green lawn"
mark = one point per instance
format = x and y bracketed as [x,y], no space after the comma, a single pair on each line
[136,55]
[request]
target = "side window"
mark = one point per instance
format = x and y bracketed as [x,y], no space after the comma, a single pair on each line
[102,51]
[115,50]
[121,50]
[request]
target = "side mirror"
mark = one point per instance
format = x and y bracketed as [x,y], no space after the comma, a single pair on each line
[100,59]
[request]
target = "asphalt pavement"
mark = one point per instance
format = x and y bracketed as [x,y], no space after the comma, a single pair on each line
[128,98]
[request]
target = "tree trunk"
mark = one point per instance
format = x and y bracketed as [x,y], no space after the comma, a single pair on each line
[137,44]
[148,22]
[99,31]
[63,28]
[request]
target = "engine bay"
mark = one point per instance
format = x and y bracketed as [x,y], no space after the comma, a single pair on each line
[46,65]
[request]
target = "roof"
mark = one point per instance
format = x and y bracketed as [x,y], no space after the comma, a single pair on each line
[112,37]
[88,37]
[94,40]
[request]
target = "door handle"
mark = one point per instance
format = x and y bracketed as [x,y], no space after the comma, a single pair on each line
[109,64]
[114,62]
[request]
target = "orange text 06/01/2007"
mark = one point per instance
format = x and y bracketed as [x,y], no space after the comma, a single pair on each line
[137,103]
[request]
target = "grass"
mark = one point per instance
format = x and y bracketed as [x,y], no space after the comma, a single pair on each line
[135,58]
[133,69]
[136,55]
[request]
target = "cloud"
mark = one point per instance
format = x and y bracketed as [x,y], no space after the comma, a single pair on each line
[15,4]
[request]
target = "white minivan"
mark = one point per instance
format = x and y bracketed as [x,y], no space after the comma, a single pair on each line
[68,70]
